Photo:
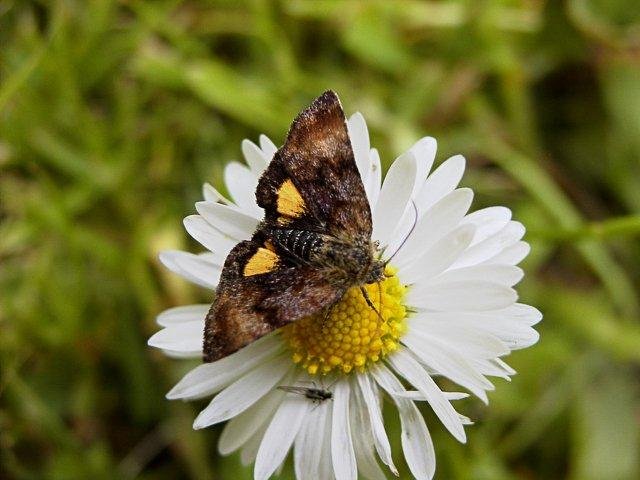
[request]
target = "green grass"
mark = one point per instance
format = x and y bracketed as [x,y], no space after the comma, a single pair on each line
[113,113]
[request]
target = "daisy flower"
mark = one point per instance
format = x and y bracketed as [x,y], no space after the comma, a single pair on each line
[446,308]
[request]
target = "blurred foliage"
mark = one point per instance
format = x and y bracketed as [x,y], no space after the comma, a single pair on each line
[113,113]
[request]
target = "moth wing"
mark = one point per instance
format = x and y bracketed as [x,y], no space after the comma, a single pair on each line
[313,183]
[248,306]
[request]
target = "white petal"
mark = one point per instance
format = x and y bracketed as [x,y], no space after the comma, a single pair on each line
[490,368]
[182,355]
[522,313]
[308,444]
[254,157]
[186,313]
[425,152]
[417,396]
[512,255]
[209,237]
[362,437]
[488,221]
[504,366]
[442,181]
[518,338]
[279,436]
[372,186]
[268,147]
[458,327]
[439,220]
[241,183]
[195,268]
[467,339]
[250,449]
[242,427]
[211,194]
[518,314]
[461,296]
[381,441]
[186,337]
[412,371]
[448,362]
[209,378]
[325,472]
[437,258]
[507,275]
[342,454]
[492,245]
[367,465]
[394,197]
[514,331]
[359,136]
[244,392]
[236,225]
[416,441]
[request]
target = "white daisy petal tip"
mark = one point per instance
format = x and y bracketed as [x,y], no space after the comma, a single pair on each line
[268,147]
[186,338]
[178,315]
[417,396]
[424,151]
[254,156]
[426,145]
[198,424]
[211,194]
[458,163]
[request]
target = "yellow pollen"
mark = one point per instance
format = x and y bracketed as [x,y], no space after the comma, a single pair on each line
[353,335]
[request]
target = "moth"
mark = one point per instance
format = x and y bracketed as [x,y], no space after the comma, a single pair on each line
[313,244]
[315,394]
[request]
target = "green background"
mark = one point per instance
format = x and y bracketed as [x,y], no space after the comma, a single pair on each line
[113,113]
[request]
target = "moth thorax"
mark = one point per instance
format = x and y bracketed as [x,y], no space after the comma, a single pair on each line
[355,260]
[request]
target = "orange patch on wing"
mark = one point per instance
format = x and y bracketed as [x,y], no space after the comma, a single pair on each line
[263,261]
[290,203]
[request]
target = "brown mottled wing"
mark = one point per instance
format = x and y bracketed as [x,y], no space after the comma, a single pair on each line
[248,307]
[318,158]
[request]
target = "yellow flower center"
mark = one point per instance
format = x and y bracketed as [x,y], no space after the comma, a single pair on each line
[352,335]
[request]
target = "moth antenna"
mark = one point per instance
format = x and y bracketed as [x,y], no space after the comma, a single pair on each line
[404,240]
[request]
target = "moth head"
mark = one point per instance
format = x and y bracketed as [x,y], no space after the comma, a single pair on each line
[375,272]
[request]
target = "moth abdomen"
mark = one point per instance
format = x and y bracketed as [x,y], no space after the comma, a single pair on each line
[299,243]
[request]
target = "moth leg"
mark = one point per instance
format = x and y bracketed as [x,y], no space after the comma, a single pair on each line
[327,312]
[370,303]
